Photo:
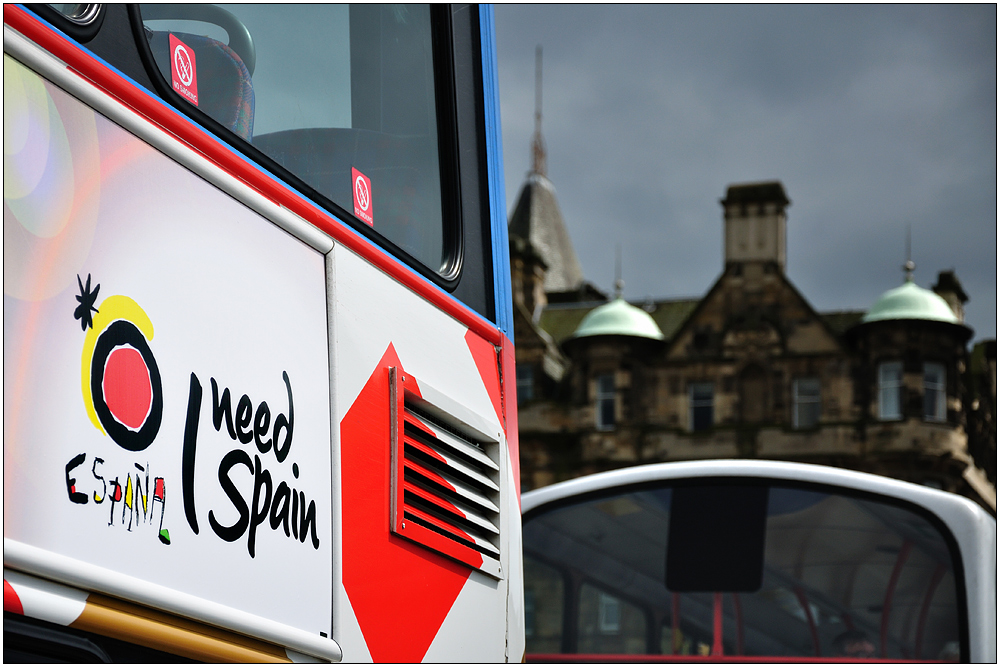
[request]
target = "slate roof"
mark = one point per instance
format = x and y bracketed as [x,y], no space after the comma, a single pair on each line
[537,218]
[561,320]
[842,320]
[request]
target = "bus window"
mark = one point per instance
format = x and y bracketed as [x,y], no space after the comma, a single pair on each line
[844,575]
[344,98]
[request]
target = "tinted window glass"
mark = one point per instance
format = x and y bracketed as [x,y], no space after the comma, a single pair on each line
[343,97]
[842,576]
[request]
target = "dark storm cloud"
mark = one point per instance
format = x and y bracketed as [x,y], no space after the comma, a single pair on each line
[875,118]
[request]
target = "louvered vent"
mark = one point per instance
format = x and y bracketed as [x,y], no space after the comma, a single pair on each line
[446,483]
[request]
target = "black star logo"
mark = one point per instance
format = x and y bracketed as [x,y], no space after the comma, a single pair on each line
[86,299]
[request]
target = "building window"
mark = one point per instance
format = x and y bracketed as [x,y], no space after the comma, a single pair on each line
[609,614]
[890,390]
[606,402]
[934,392]
[525,383]
[529,613]
[806,403]
[702,399]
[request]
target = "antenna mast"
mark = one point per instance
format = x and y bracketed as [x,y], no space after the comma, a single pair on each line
[910,264]
[619,283]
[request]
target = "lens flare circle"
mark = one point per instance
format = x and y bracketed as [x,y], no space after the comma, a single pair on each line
[51,184]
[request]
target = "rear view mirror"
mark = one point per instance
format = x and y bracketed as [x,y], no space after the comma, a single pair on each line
[716,538]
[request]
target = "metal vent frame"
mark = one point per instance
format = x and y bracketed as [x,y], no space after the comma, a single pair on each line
[445,476]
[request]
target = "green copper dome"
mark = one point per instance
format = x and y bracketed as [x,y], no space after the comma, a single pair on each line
[618,318]
[910,302]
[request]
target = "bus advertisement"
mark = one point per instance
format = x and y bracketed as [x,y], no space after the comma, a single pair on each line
[257,336]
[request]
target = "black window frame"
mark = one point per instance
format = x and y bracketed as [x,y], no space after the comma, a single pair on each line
[451,145]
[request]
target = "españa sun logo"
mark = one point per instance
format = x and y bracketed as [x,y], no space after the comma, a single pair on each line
[120,380]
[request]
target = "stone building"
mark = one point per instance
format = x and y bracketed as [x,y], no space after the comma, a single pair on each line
[750,370]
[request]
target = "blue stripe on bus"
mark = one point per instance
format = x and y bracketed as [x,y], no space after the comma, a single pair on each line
[494,169]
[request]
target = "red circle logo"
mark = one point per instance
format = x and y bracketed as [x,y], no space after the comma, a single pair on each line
[127,388]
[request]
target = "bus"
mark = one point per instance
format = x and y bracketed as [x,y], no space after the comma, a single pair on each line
[258,360]
[756,561]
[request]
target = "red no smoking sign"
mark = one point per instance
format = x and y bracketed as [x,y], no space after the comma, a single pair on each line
[183,72]
[362,196]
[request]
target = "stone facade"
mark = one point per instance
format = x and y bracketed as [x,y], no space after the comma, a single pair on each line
[751,370]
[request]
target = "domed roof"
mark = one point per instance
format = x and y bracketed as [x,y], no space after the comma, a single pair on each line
[618,318]
[910,302]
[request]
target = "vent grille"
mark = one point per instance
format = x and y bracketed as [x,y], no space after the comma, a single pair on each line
[446,485]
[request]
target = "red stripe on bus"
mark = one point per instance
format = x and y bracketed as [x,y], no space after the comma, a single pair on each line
[204,143]
[11,602]
[509,394]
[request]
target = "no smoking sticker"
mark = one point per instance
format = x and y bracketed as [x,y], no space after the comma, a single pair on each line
[183,72]
[362,186]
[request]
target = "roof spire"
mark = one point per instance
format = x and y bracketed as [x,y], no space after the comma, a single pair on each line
[619,283]
[910,264]
[537,143]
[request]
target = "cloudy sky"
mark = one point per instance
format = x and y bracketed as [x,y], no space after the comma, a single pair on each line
[875,118]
